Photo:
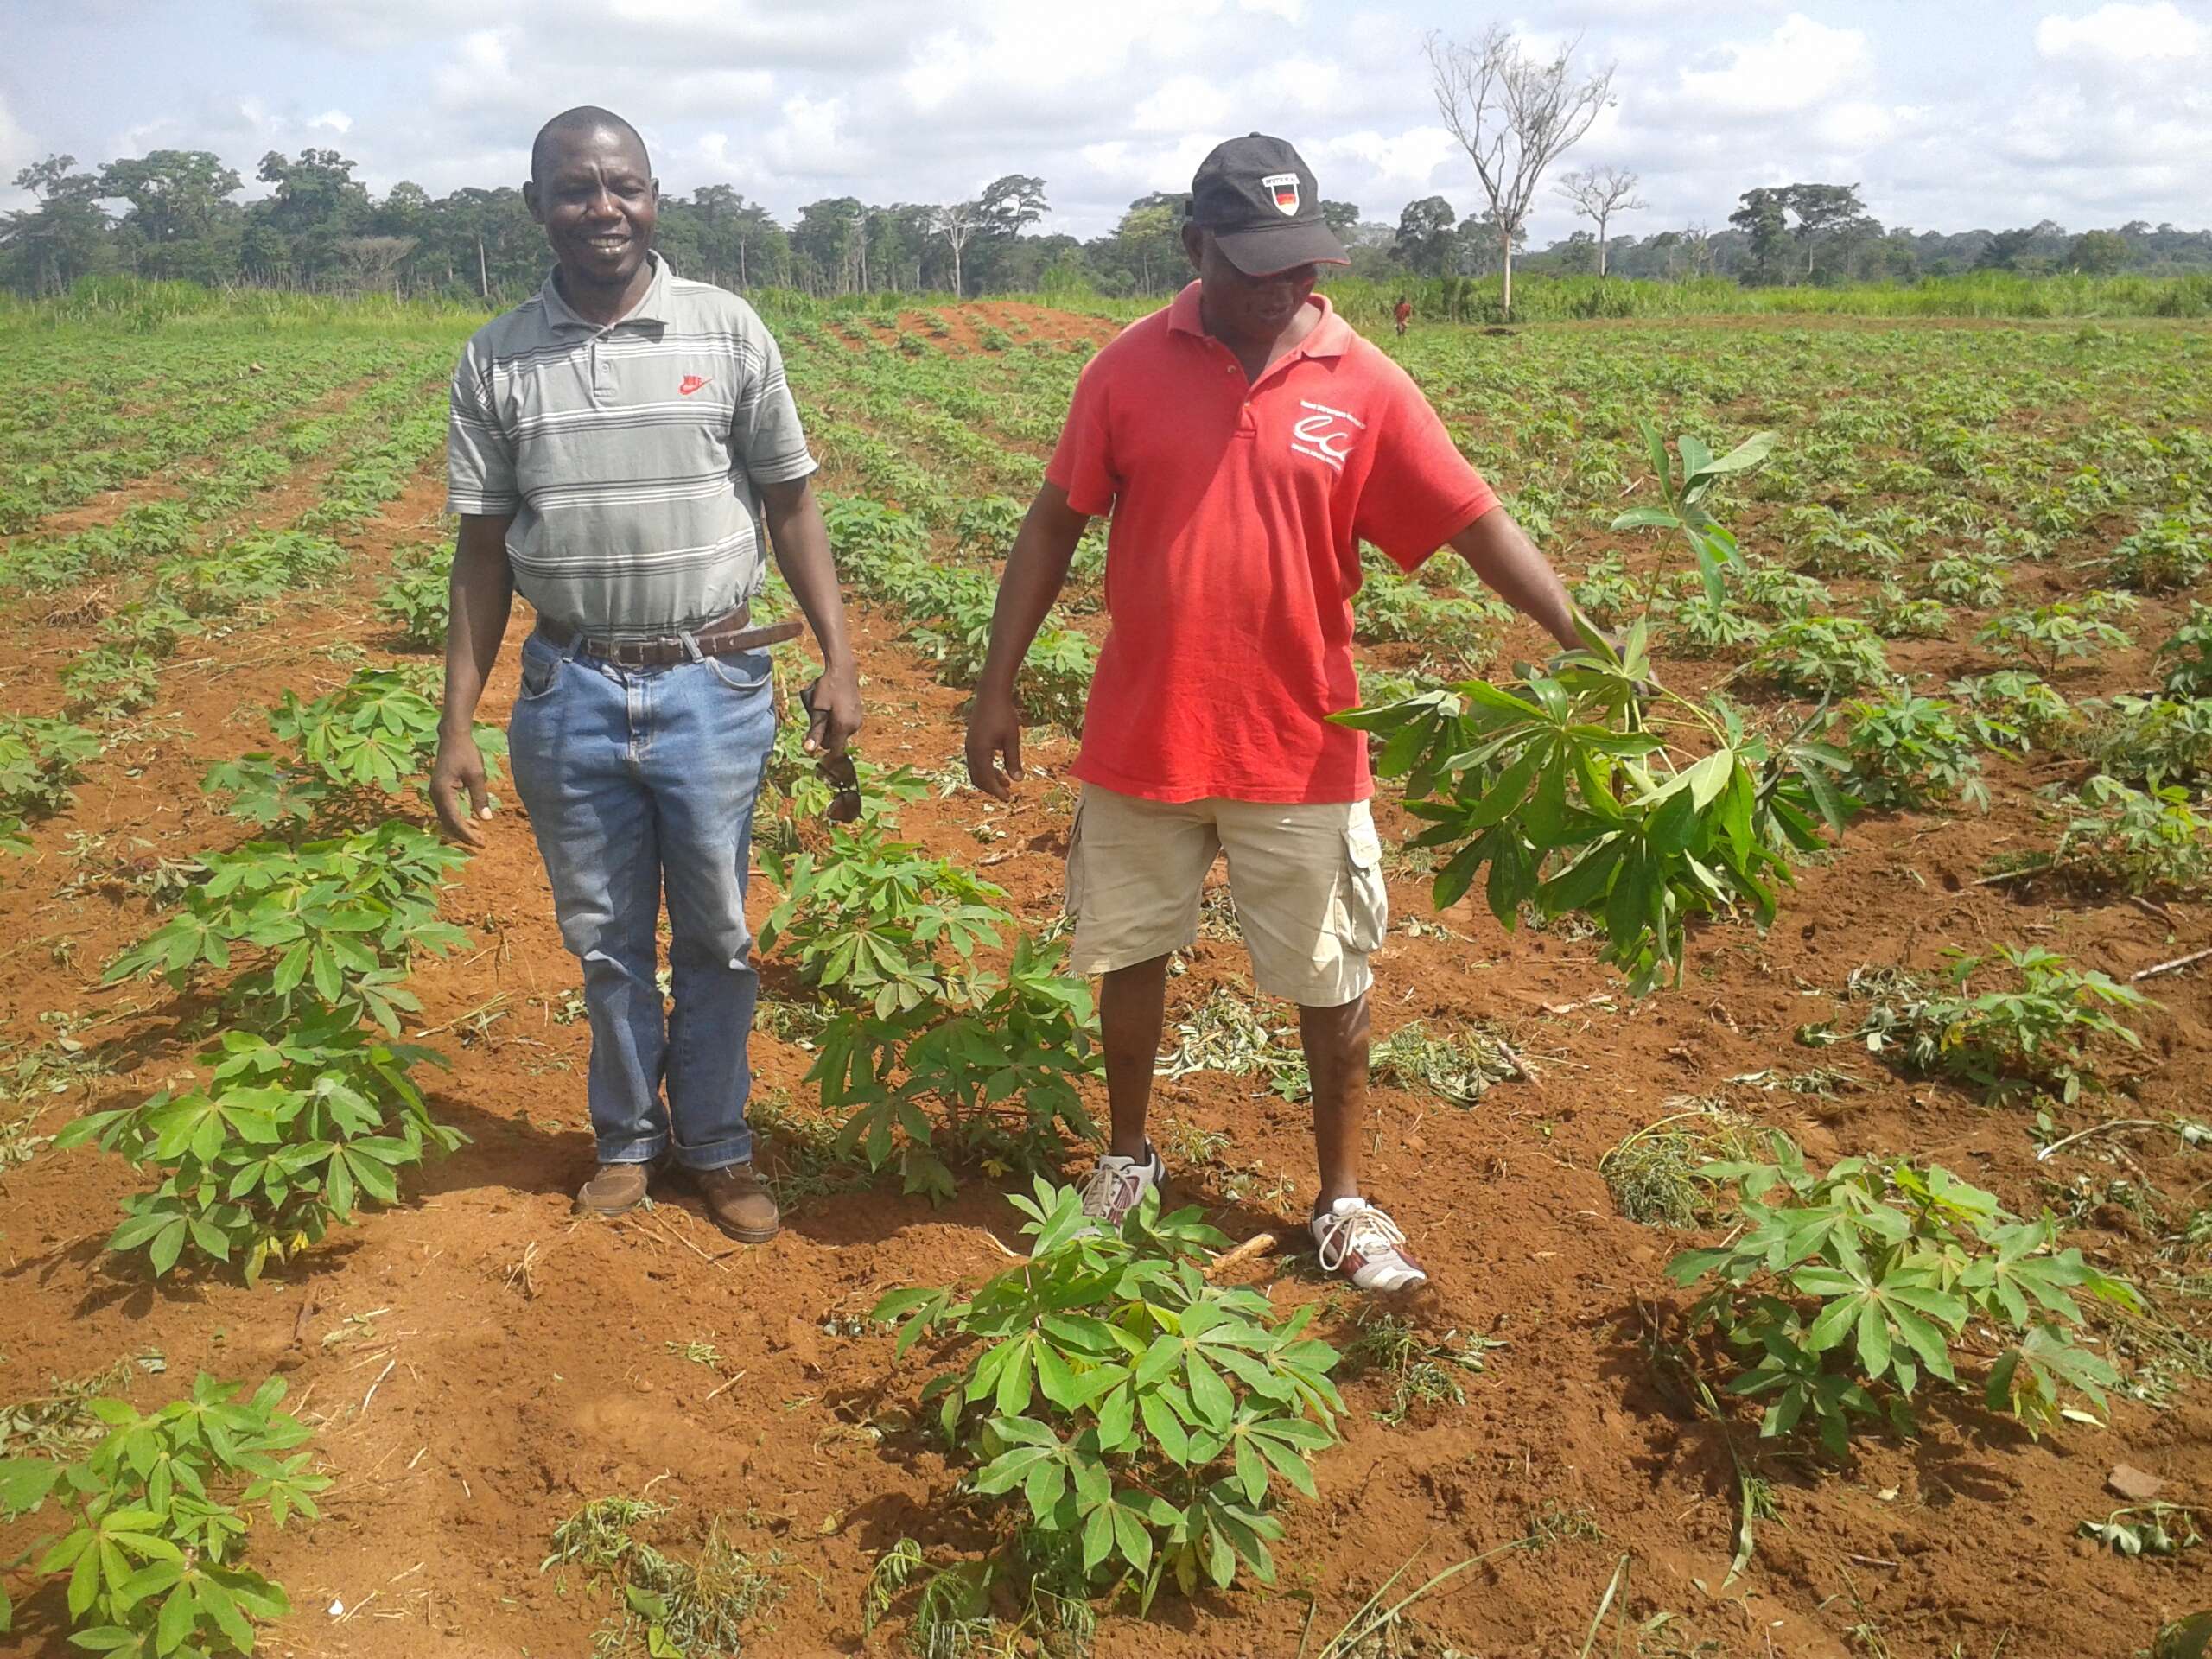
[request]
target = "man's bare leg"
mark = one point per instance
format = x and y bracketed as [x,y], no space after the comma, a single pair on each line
[1336,1056]
[1132,1006]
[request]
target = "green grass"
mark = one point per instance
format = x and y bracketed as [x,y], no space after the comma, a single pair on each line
[1978,294]
[136,305]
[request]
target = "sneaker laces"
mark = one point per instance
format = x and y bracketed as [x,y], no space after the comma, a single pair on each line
[1098,1191]
[1366,1229]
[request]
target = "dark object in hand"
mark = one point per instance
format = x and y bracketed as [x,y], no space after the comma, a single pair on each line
[844,780]
[839,772]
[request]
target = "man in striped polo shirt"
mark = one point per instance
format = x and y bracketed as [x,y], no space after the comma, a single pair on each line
[616,440]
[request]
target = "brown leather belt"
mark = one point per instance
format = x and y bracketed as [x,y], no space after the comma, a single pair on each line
[725,636]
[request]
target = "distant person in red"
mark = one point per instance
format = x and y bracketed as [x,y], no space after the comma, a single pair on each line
[1246,441]
[1403,312]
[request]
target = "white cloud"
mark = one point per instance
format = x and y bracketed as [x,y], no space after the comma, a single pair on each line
[1800,66]
[810,142]
[1857,124]
[1306,83]
[1408,159]
[15,156]
[334,120]
[1185,104]
[2124,35]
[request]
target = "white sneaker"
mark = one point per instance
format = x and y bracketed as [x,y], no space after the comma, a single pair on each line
[1118,1185]
[1362,1243]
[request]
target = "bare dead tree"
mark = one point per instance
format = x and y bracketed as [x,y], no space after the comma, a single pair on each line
[1598,192]
[956,224]
[1697,244]
[1515,115]
[373,262]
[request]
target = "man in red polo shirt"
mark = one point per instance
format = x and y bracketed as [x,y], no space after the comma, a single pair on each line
[1246,441]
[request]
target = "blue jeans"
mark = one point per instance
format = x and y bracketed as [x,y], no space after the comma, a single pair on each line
[635,779]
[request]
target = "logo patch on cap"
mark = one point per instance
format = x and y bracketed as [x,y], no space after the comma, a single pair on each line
[1282,189]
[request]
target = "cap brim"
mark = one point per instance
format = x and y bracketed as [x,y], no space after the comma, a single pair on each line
[1265,249]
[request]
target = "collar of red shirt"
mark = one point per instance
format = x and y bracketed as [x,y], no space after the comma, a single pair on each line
[1332,335]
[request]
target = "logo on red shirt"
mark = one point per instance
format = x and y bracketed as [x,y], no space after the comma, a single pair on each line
[1325,434]
[691,383]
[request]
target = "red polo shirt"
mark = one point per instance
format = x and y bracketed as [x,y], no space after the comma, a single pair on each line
[1238,510]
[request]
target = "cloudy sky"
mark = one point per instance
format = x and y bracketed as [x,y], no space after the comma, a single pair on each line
[1952,113]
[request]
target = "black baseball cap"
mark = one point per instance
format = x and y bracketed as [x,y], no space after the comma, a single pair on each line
[1261,202]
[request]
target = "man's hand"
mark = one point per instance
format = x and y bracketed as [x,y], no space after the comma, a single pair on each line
[459,770]
[834,703]
[994,729]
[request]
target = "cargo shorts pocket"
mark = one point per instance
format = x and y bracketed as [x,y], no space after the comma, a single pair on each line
[1363,907]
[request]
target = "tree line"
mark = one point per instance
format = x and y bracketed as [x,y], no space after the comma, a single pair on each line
[172,213]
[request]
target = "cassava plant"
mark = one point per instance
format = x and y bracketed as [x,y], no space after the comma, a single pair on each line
[306,1112]
[288,1135]
[2139,840]
[331,923]
[414,597]
[867,921]
[1844,1293]
[1909,752]
[39,760]
[2014,709]
[2161,555]
[2185,658]
[2066,630]
[157,1516]
[352,749]
[1146,1416]
[1686,493]
[997,1060]
[2150,740]
[2041,1032]
[1566,790]
[1821,657]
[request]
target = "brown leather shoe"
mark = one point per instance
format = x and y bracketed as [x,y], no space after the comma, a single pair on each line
[741,1206]
[615,1190]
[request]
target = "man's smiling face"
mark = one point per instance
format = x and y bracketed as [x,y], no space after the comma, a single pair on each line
[598,201]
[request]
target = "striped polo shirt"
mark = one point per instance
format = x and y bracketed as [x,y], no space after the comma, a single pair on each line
[627,454]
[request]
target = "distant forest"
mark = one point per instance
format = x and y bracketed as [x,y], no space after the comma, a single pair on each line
[173,214]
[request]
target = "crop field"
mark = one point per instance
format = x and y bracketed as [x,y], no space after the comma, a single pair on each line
[1791,1045]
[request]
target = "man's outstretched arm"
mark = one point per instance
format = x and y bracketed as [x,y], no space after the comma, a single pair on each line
[1503,555]
[1036,571]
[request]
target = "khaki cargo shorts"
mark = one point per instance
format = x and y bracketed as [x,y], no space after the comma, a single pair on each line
[1308,880]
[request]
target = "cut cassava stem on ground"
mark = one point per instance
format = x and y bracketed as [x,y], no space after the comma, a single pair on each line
[2173,966]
